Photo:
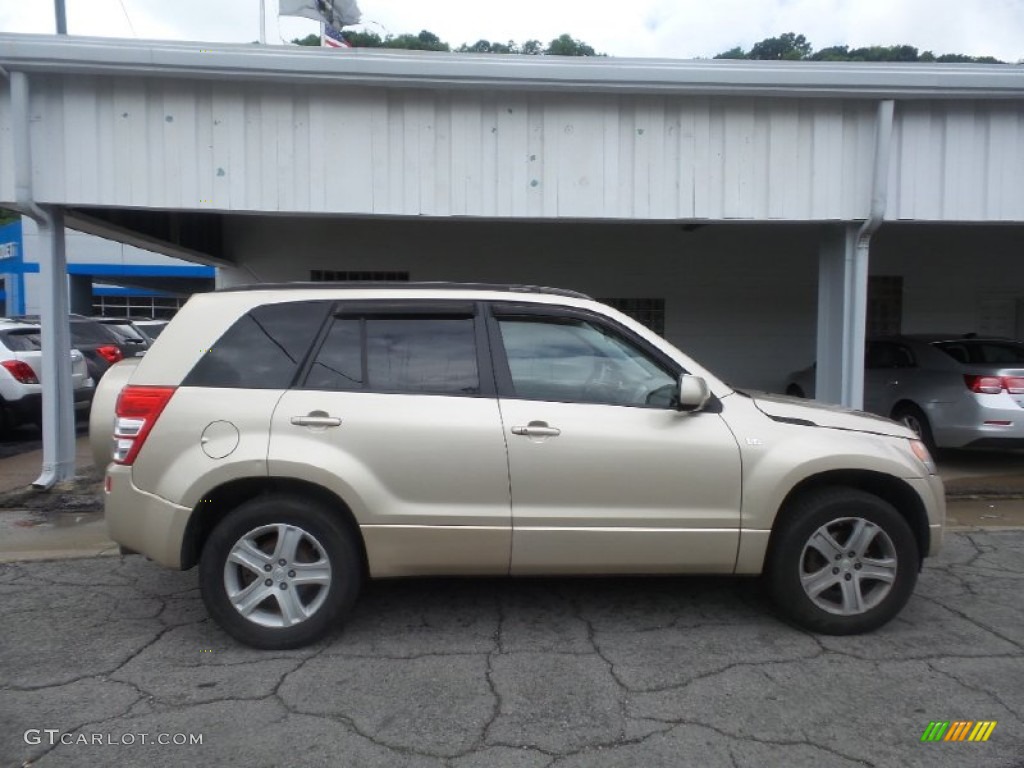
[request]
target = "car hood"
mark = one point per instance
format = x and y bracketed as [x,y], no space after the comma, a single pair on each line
[797,410]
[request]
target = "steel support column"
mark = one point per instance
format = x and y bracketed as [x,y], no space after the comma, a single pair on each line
[843,284]
[842,316]
[58,400]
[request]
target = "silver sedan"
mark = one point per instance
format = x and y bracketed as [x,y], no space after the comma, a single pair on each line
[956,392]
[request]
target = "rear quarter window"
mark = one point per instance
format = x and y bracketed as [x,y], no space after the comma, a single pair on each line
[263,349]
[984,352]
[21,340]
[92,334]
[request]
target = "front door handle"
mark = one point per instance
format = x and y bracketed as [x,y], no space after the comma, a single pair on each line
[537,429]
[316,419]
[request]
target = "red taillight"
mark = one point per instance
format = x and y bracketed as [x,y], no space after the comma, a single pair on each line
[993,385]
[1014,384]
[138,408]
[110,353]
[21,370]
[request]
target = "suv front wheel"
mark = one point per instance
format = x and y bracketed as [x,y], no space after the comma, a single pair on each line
[279,571]
[845,562]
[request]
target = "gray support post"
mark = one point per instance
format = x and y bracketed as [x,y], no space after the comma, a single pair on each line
[58,401]
[843,284]
[842,317]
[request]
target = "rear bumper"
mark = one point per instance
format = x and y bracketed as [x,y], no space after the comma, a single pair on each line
[29,408]
[979,421]
[142,522]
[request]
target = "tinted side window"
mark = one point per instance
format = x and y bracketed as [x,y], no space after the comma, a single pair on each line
[885,354]
[85,333]
[339,363]
[22,340]
[984,352]
[422,355]
[263,349]
[426,355]
[570,360]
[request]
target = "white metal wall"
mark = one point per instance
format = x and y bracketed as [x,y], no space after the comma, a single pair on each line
[958,161]
[156,142]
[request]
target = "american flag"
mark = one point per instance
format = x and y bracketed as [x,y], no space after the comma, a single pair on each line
[331,38]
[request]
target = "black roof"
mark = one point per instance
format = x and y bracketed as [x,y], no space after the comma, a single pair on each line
[404,284]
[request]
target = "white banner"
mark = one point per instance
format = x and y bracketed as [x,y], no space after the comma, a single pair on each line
[337,13]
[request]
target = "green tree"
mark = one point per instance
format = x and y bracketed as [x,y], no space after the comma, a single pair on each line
[6,217]
[486,46]
[363,39]
[310,39]
[733,53]
[788,46]
[567,45]
[959,58]
[796,47]
[424,41]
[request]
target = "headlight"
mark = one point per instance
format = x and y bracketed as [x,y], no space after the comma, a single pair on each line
[923,456]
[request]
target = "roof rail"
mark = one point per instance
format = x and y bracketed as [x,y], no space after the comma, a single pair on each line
[406,285]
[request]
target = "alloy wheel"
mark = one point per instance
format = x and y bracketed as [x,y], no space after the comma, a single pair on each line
[277,575]
[848,566]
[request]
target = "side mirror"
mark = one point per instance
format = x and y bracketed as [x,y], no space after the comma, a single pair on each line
[693,393]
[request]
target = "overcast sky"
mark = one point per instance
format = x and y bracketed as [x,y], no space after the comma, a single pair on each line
[645,28]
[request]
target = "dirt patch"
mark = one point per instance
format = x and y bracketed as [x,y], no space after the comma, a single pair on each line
[82,495]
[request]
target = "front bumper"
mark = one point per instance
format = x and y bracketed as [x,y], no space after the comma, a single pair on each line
[933,494]
[142,522]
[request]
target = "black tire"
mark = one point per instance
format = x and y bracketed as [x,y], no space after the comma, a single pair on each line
[269,524]
[794,560]
[794,391]
[914,418]
[7,422]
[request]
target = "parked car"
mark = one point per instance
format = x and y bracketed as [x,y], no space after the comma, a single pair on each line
[953,391]
[101,346]
[133,339]
[294,441]
[20,372]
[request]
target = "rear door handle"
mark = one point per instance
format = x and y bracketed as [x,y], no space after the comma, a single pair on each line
[316,420]
[537,429]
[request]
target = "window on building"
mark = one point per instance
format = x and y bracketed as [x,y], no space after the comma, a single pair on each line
[885,305]
[156,307]
[345,276]
[648,312]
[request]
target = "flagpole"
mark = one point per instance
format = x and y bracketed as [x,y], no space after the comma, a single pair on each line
[62,19]
[263,22]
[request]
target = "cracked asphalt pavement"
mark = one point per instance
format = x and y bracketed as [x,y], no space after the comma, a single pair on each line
[523,674]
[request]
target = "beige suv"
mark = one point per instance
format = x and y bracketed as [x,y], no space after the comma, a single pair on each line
[296,440]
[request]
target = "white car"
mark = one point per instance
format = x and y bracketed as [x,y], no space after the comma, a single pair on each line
[21,394]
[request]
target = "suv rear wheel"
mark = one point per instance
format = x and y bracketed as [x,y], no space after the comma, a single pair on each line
[279,571]
[845,562]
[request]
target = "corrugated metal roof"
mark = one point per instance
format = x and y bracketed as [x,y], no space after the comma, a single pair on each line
[405,69]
